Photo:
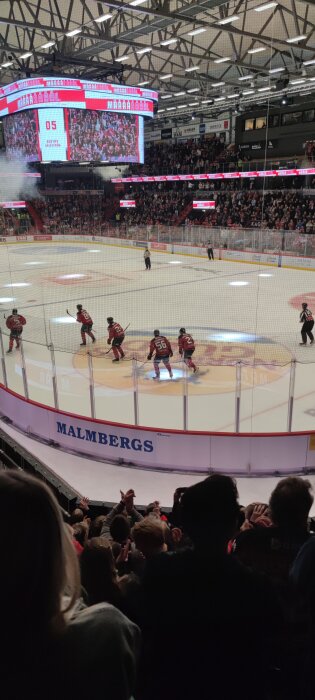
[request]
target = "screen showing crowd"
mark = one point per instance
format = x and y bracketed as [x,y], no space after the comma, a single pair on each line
[75,135]
[21,136]
[103,136]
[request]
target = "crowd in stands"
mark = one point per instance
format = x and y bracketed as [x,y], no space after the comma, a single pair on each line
[207,154]
[211,600]
[285,211]
[73,213]
[192,156]
[163,204]
[14,222]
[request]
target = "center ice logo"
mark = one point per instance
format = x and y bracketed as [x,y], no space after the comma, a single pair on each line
[263,361]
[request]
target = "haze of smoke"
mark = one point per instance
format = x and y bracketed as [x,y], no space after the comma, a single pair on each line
[14,184]
[106,173]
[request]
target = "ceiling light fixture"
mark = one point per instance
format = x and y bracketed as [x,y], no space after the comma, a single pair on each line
[246,77]
[248,92]
[193,89]
[168,42]
[263,89]
[165,77]
[189,70]
[7,64]
[296,39]
[227,20]
[276,70]
[168,109]
[166,97]
[121,59]
[219,99]
[160,111]
[73,32]
[230,97]
[258,50]
[197,31]
[145,82]
[309,63]
[206,102]
[193,104]
[134,3]
[297,82]
[217,84]
[222,60]
[181,106]
[47,45]
[266,6]
[179,94]
[144,50]
[27,55]
[103,18]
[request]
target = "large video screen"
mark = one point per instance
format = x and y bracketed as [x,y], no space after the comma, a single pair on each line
[20,136]
[105,136]
[56,134]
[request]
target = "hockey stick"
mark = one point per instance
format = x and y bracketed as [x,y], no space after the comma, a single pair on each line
[70,315]
[111,347]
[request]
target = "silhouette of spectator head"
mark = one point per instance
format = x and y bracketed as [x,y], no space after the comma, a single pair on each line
[290,502]
[210,512]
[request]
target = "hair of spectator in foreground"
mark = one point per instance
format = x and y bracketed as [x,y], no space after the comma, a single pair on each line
[210,508]
[120,529]
[149,536]
[40,561]
[291,501]
[98,572]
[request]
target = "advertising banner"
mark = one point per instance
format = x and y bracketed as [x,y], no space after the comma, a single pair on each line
[160,449]
[203,204]
[127,203]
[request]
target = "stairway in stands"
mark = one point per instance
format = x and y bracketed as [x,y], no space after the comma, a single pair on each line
[36,218]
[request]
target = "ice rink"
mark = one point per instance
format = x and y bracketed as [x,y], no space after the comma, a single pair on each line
[235,311]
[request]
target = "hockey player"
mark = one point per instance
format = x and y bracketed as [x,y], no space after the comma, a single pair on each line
[147,259]
[163,351]
[186,347]
[116,337]
[84,317]
[306,317]
[15,323]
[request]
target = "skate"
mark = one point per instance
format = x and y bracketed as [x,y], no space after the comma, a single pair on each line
[93,340]
[171,375]
[123,355]
[195,370]
[116,359]
[302,343]
[156,378]
[10,350]
[82,343]
[312,341]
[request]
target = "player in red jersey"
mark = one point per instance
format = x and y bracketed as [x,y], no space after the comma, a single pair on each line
[84,317]
[186,347]
[163,351]
[15,323]
[116,337]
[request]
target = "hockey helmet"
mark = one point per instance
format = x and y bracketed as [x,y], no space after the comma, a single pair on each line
[110,319]
[182,330]
[156,333]
[79,307]
[304,305]
[14,311]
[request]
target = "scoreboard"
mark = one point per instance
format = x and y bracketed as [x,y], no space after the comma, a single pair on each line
[65,119]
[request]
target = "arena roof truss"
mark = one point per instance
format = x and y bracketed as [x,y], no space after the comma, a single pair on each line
[206,56]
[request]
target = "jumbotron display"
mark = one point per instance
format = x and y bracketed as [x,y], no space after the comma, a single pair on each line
[49,119]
